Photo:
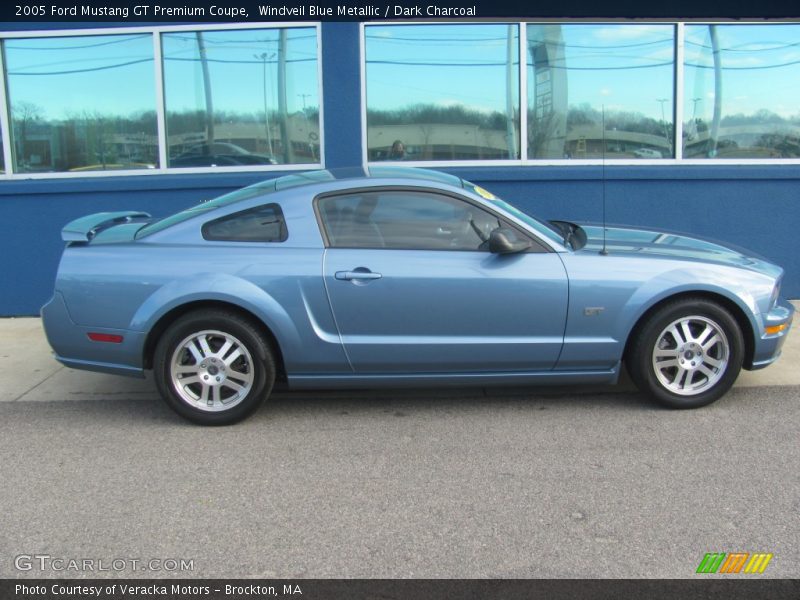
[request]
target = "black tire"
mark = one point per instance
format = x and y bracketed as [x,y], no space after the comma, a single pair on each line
[710,371]
[243,380]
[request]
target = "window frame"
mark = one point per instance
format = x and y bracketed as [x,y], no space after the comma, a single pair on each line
[537,246]
[160,106]
[522,81]
[680,90]
[524,160]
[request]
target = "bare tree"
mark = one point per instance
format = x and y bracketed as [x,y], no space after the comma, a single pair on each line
[23,114]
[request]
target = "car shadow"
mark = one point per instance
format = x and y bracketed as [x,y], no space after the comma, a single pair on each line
[143,405]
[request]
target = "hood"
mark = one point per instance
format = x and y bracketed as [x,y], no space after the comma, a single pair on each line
[667,244]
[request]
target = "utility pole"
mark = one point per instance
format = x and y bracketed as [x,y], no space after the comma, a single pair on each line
[303,98]
[511,136]
[694,107]
[662,101]
[713,138]
[201,48]
[286,143]
[308,126]
[264,57]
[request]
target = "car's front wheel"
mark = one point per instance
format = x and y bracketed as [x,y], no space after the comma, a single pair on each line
[213,367]
[687,354]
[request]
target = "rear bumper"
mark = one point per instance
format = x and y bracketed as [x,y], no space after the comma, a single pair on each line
[768,346]
[73,348]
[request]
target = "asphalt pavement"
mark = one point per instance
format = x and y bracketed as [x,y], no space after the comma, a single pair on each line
[425,483]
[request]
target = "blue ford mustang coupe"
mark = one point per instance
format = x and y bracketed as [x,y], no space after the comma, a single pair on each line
[401,277]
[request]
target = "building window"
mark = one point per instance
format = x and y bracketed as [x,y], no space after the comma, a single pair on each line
[82,103]
[241,98]
[581,75]
[741,91]
[442,92]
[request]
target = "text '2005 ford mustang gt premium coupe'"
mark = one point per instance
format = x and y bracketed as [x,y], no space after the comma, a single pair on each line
[401,277]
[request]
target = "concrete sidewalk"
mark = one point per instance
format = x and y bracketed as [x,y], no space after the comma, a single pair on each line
[31,374]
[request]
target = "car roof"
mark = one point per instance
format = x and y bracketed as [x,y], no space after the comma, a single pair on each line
[355,173]
[318,178]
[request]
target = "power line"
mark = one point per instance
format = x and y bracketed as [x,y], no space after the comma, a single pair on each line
[239,62]
[133,62]
[401,63]
[574,68]
[103,68]
[601,56]
[121,40]
[455,62]
[75,61]
[503,64]
[437,39]
[412,64]
[753,68]
[59,49]
[742,47]
[212,41]
[472,40]
[669,40]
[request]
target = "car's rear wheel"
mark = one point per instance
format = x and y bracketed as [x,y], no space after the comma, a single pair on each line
[213,367]
[687,354]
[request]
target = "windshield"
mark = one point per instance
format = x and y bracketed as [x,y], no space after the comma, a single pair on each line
[542,228]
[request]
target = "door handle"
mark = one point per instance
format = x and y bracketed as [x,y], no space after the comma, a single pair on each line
[357,275]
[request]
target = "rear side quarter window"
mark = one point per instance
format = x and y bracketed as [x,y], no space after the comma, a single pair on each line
[260,224]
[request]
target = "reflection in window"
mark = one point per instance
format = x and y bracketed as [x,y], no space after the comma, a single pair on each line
[82,103]
[576,73]
[239,98]
[442,92]
[259,224]
[406,221]
[741,95]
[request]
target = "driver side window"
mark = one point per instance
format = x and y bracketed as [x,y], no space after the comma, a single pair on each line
[407,220]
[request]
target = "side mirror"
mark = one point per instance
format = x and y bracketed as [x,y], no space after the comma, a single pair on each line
[505,240]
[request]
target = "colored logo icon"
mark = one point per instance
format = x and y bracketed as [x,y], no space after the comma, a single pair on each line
[734,562]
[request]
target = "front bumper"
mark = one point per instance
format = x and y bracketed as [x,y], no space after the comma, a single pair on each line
[768,345]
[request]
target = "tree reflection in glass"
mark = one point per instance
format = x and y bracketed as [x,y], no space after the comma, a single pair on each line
[741,94]
[82,103]
[578,71]
[239,98]
[442,92]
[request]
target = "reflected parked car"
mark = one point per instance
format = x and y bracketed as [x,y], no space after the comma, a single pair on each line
[113,167]
[219,154]
[401,277]
[647,153]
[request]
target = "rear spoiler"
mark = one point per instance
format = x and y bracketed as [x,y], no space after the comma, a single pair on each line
[85,228]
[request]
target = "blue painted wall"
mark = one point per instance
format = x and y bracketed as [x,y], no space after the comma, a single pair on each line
[341,94]
[757,207]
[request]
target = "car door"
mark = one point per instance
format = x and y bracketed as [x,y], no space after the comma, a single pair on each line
[414,289]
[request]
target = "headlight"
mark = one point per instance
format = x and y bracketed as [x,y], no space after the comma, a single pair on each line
[773,299]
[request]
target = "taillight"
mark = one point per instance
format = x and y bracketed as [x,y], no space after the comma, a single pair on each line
[105,337]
